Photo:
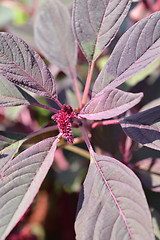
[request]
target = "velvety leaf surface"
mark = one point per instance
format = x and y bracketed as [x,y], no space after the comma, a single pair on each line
[111,103]
[96,23]
[20,181]
[135,50]
[148,171]
[112,204]
[23,66]
[144,127]
[11,95]
[54,36]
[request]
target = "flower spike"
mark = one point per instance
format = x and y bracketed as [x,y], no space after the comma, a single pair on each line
[64,119]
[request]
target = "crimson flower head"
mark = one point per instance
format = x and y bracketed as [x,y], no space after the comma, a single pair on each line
[64,119]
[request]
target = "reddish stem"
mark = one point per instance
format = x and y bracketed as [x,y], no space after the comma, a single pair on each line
[85,135]
[60,135]
[58,102]
[127,150]
[45,107]
[105,123]
[87,86]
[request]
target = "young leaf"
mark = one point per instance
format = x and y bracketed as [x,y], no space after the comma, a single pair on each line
[111,103]
[144,127]
[112,204]
[96,23]
[11,95]
[135,50]
[20,181]
[148,170]
[23,66]
[54,36]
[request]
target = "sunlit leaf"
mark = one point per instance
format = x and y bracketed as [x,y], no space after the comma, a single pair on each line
[24,67]
[144,127]
[111,103]
[20,181]
[96,23]
[54,36]
[136,49]
[112,204]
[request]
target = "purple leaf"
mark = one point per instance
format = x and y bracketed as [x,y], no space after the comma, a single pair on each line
[144,127]
[7,138]
[135,50]
[54,36]
[11,95]
[148,171]
[112,204]
[20,181]
[108,104]
[23,66]
[96,23]
[7,153]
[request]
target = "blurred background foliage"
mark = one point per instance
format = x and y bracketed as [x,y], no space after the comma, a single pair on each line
[53,212]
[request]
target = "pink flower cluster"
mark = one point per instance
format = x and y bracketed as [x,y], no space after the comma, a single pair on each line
[64,119]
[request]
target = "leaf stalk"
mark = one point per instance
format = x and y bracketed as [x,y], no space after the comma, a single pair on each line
[88,83]
[105,123]
[45,107]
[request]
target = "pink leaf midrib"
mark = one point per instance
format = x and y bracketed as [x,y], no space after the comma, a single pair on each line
[23,70]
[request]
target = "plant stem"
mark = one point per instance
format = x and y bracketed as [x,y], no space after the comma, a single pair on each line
[88,82]
[45,107]
[105,123]
[58,102]
[85,135]
[60,135]
[127,150]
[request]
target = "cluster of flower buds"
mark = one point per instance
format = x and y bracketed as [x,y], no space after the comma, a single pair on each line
[64,119]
